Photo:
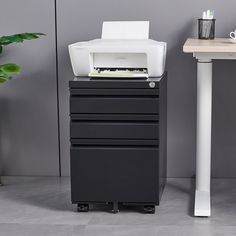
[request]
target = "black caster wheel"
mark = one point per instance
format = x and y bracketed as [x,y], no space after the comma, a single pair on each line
[82,207]
[115,209]
[149,209]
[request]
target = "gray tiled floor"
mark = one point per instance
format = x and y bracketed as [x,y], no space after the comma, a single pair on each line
[41,206]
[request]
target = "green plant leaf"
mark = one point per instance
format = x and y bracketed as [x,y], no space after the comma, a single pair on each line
[5,75]
[18,38]
[30,36]
[7,70]
[2,79]
[10,68]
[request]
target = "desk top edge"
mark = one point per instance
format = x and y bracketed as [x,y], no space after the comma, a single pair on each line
[218,45]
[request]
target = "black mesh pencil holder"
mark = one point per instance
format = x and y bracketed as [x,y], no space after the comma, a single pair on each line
[206,28]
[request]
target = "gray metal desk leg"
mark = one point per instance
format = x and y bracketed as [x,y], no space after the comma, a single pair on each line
[203,155]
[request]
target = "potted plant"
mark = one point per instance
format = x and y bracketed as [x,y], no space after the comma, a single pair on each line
[9,69]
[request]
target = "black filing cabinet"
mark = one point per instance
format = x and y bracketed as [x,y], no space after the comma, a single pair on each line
[118,141]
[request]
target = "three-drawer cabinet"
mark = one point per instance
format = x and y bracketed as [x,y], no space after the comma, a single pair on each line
[118,141]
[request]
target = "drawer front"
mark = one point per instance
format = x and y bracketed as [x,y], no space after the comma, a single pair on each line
[115,130]
[115,142]
[98,83]
[114,91]
[114,117]
[114,174]
[114,105]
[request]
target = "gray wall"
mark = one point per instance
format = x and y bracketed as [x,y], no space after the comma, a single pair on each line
[170,21]
[28,108]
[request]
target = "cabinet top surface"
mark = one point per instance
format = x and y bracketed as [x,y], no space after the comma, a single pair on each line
[123,80]
[215,46]
[134,83]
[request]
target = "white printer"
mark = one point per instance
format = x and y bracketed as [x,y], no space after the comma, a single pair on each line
[124,50]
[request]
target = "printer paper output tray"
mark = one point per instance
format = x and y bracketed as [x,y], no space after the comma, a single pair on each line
[119,73]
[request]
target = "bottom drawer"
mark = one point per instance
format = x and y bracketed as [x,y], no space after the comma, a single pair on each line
[115,130]
[123,174]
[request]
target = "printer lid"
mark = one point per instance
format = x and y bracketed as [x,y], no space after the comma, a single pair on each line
[119,44]
[125,30]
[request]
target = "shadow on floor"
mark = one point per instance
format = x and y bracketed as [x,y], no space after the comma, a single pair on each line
[190,190]
[50,193]
[54,193]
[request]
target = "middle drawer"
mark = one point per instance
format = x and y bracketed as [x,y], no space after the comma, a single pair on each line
[114,105]
[115,130]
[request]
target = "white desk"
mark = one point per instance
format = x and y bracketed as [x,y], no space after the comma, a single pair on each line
[205,51]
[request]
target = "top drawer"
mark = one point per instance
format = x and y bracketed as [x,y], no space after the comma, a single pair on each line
[122,83]
[114,105]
